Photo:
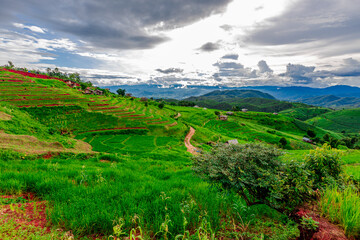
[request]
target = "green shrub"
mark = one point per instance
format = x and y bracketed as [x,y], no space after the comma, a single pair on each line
[324,165]
[283,142]
[254,172]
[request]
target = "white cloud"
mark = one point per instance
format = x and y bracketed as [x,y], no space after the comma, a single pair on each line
[32,28]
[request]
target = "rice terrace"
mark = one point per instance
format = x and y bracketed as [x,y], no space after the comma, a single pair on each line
[179,120]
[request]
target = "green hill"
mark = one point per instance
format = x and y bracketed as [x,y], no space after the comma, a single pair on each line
[304,113]
[339,121]
[252,100]
[332,101]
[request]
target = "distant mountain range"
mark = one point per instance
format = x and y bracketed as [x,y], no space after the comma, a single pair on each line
[300,93]
[342,96]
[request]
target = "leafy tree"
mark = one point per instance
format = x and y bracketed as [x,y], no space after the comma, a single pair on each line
[217,113]
[283,142]
[11,65]
[161,105]
[311,133]
[350,141]
[121,92]
[253,171]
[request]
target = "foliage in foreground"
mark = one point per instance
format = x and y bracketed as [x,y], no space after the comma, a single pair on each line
[343,207]
[255,173]
[158,196]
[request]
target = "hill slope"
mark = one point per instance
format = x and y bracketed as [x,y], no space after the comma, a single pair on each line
[332,101]
[339,121]
[249,99]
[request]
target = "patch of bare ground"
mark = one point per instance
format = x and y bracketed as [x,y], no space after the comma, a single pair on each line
[5,116]
[326,229]
[190,148]
[30,213]
[32,145]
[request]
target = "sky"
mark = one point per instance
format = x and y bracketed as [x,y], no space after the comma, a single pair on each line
[313,43]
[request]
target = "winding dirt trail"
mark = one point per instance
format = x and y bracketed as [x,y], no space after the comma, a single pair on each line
[177,116]
[190,148]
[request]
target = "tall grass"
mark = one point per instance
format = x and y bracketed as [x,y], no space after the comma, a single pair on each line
[88,196]
[343,207]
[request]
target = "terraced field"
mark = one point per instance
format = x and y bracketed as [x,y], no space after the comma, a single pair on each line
[339,121]
[46,99]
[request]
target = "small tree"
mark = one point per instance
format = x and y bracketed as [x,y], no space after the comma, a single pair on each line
[311,133]
[121,92]
[283,142]
[161,105]
[217,113]
[11,65]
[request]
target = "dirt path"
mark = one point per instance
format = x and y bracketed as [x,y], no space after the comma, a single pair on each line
[177,116]
[190,148]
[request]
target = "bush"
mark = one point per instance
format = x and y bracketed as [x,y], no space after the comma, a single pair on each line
[324,165]
[254,172]
[161,105]
[311,133]
[283,142]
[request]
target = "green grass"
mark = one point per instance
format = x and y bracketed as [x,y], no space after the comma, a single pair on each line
[303,114]
[88,196]
[343,207]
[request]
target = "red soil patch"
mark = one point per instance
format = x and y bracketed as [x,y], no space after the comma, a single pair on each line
[99,105]
[326,230]
[24,214]
[139,115]
[46,105]
[109,129]
[125,113]
[104,161]
[158,122]
[41,99]
[34,75]
[106,108]
[47,155]
[31,95]
[154,120]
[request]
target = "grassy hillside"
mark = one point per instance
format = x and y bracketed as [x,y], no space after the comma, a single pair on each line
[20,131]
[249,99]
[306,113]
[332,101]
[138,179]
[247,127]
[339,121]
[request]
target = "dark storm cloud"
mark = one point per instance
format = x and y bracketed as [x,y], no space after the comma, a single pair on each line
[170,70]
[118,24]
[332,22]
[209,47]
[299,73]
[263,67]
[231,56]
[350,68]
